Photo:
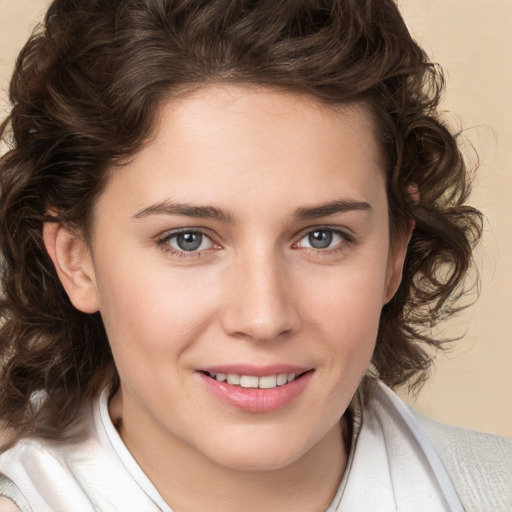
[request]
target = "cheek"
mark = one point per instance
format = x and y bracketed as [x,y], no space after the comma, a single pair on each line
[153,312]
[350,296]
[344,309]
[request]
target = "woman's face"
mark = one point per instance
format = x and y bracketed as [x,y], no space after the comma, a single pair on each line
[247,241]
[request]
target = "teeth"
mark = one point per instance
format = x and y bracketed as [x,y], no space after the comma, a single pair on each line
[251,381]
[268,382]
[282,378]
[247,381]
[233,379]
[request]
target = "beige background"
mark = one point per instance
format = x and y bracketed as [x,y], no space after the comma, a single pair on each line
[472,39]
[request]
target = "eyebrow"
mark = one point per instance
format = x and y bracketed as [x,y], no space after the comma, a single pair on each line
[187,210]
[211,212]
[331,208]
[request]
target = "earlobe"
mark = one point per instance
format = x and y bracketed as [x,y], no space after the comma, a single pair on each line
[72,260]
[396,259]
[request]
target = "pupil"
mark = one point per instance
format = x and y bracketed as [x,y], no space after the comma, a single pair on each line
[320,239]
[189,241]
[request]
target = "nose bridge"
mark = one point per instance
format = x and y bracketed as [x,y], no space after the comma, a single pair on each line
[259,302]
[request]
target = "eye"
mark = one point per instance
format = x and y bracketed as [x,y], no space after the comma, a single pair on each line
[321,238]
[188,241]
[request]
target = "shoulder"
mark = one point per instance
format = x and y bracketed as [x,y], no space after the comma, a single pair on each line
[11,499]
[479,464]
[80,473]
[34,469]
[27,470]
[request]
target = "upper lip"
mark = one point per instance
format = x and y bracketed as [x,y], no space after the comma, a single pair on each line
[254,370]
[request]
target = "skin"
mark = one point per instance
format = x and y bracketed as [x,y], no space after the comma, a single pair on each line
[256,292]
[6,505]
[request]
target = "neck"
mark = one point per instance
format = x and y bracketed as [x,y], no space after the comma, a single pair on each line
[190,482]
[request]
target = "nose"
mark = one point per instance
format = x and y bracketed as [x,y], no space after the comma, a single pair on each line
[259,301]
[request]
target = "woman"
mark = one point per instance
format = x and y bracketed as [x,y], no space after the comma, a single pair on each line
[227,227]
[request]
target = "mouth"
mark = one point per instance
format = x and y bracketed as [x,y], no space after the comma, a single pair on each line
[255,382]
[256,389]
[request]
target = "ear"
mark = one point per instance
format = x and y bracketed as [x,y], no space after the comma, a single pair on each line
[74,266]
[396,259]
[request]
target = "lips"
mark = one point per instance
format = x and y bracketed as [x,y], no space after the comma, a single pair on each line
[256,389]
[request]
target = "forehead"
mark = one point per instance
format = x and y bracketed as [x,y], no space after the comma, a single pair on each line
[241,145]
[239,111]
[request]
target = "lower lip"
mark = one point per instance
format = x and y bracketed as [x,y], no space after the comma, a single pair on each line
[256,399]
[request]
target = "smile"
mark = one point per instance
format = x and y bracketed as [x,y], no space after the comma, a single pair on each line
[256,393]
[252,381]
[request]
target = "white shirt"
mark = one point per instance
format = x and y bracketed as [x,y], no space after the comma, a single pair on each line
[392,466]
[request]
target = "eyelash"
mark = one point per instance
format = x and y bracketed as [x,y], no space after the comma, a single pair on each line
[164,241]
[345,239]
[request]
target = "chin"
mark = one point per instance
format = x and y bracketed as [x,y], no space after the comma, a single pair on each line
[270,453]
[256,462]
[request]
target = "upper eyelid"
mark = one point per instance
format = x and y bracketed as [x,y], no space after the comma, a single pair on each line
[346,233]
[165,235]
[346,240]
[163,241]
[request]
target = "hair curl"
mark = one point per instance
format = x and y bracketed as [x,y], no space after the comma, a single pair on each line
[85,93]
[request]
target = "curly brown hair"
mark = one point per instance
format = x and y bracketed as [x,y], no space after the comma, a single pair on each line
[84,94]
